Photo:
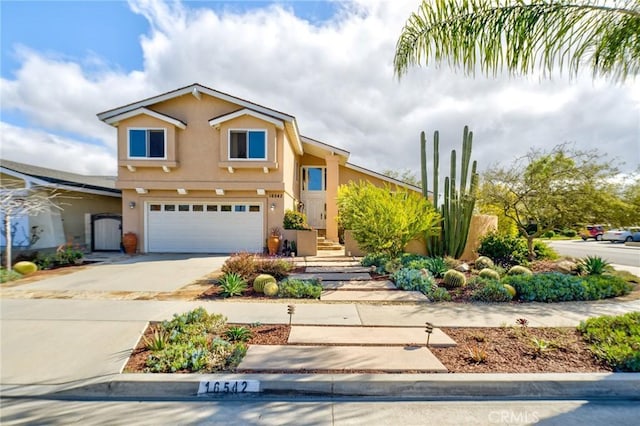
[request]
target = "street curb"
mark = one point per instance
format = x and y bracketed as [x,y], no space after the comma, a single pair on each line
[424,386]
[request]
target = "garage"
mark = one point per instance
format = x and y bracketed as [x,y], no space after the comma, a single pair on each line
[204,227]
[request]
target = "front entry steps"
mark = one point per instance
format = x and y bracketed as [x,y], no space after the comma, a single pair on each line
[324,244]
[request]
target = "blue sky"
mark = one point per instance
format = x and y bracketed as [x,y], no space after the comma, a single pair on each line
[108,29]
[328,63]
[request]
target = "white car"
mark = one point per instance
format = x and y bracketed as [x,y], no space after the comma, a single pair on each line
[620,235]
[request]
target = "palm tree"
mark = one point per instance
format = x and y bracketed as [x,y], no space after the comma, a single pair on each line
[522,36]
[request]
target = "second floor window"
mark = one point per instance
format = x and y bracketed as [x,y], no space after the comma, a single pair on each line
[247,145]
[147,143]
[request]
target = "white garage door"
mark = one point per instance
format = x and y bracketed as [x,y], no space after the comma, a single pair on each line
[204,227]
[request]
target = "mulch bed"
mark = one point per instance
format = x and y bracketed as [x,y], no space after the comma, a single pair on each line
[507,349]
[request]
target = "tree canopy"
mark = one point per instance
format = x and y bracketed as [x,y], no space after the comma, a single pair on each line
[552,190]
[523,36]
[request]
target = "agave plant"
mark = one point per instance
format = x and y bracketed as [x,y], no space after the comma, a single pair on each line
[238,334]
[157,342]
[593,265]
[232,285]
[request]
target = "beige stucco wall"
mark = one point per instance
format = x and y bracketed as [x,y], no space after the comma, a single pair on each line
[480,226]
[199,163]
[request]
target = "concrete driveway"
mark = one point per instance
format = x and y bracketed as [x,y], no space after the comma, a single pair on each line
[54,342]
[148,272]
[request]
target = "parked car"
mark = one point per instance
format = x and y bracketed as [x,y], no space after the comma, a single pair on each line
[620,235]
[593,231]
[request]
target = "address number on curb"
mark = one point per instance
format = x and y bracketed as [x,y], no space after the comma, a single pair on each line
[229,386]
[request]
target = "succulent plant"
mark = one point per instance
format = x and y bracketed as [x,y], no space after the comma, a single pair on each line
[261,280]
[271,289]
[510,289]
[454,279]
[489,273]
[25,268]
[484,262]
[519,270]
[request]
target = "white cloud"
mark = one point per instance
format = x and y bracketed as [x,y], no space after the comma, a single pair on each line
[55,152]
[337,79]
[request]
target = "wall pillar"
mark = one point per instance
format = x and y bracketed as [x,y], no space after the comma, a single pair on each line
[333,180]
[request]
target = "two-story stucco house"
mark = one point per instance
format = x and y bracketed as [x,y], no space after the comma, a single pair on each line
[204,171]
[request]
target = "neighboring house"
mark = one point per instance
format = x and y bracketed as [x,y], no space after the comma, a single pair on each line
[204,171]
[90,213]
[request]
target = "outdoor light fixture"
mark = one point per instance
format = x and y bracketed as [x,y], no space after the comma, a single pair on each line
[132,204]
[273,206]
[428,328]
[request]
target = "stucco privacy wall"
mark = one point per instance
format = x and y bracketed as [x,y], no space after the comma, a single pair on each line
[79,204]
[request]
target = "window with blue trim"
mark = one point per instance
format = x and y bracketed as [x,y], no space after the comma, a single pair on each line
[146,143]
[248,144]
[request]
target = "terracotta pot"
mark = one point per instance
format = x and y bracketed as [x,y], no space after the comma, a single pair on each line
[273,243]
[130,242]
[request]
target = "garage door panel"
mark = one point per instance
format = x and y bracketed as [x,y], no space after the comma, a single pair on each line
[204,231]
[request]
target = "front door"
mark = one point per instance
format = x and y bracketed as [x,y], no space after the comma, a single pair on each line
[313,195]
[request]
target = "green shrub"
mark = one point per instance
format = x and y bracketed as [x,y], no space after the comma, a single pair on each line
[504,250]
[543,251]
[593,265]
[604,286]
[197,321]
[295,220]
[491,291]
[7,275]
[569,233]
[413,280]
[546,287]
[181,344]
[261,280]
[615,340]
[243,264]
[440,295]
[232,285]
[454,279]
[375,259]
[384,219]
[489,273]
[549,234]
[300,289]
[278,268]
[436,266]
[392,266]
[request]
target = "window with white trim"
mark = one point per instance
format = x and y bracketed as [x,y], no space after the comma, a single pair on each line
[247,144]
[147,143]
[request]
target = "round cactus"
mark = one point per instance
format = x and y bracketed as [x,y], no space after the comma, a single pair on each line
[484,262]
[453,279]
[510,289]
[489,273]
[25,268]
[519,270]
[261,280]
[270,289]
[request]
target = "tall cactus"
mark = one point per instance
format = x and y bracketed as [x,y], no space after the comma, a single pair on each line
[458,205]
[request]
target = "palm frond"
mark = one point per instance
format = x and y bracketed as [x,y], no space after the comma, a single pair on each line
[521,37]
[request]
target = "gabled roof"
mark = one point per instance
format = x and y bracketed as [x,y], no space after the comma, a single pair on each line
[216,121]
[101,185]
[196,89]
[146,111]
